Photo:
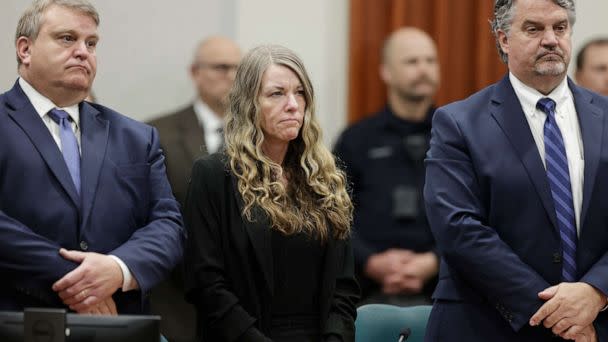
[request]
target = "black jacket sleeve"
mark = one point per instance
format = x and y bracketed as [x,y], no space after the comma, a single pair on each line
[207,285]
[343,311]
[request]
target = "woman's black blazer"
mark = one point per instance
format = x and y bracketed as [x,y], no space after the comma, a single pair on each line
[228,260]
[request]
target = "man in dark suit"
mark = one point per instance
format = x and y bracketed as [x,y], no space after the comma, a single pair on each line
[523,240]
[383,158]
[87,218]
[195,130]
[186,135]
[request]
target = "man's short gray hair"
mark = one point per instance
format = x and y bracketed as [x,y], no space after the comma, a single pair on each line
[30,21]
[504,10]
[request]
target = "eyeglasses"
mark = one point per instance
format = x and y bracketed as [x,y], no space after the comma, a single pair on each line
[218,67]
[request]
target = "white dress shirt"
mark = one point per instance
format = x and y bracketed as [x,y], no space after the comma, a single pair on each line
[43,105]
[212,125]
[567,121]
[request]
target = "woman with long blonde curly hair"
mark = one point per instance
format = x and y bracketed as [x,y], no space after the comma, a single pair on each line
[269,255]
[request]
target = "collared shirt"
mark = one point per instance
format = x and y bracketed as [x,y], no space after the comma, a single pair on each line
[567,121]
[212,126]
[43,105]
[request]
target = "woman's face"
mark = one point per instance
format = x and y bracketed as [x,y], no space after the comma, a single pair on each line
[282,105]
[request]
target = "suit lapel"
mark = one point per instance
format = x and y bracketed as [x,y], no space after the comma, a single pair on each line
[509,115]
[260,236]
[591,121]
[193,136]
[23,113]
[94,140]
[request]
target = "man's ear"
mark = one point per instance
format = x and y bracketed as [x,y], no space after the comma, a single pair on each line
[577,76]
[23,46]
[503,40]
[385,73]
[194,69]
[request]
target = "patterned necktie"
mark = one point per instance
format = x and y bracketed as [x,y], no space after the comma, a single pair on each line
[559,182]
[69,144]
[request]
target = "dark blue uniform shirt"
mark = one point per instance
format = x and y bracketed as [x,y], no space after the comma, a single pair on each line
[383,157]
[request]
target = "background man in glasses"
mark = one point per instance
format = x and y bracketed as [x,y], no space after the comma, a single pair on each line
[186,135]
[195,130]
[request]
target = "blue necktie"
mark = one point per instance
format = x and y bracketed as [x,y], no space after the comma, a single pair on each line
[559,182]
[69,144]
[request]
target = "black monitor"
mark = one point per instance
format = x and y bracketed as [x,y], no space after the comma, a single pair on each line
[80,328]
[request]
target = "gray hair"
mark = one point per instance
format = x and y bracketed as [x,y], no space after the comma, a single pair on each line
[504,10]
[30,21]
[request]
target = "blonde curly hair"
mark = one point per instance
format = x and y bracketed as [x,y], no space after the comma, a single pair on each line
[315,200]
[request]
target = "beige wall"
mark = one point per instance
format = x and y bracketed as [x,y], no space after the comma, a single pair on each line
[146,47]
[144,51]
[147,44]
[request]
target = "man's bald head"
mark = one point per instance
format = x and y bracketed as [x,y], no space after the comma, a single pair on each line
[217,47]
[410,67]
[404,36]
[213,69]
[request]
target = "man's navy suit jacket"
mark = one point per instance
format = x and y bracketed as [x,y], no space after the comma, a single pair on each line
[490,209]
[125,207]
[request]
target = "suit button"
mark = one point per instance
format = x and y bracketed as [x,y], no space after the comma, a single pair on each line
[83,245]
[557,258]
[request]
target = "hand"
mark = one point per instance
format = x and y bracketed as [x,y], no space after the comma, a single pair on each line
[422,266]
[401,283]
[105,307]
[586,335]
[569,309]
[381,265]
[97,277]
[413,274]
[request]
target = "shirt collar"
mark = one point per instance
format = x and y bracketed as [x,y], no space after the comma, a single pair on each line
[528,96]
[43,105]
[391,119]
[208,119]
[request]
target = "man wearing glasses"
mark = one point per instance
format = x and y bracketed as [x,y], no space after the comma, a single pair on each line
[195,130]
[186,135]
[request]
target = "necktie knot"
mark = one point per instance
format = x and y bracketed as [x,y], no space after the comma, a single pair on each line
[58,115]
[547,105]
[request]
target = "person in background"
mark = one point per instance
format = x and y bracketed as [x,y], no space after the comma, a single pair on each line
[87,218]
[383,158]
[592,66]
[185,135]
[196,130]
[269,255]
[523,239]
